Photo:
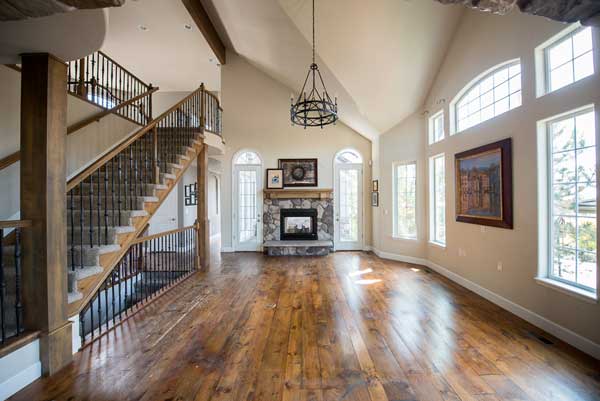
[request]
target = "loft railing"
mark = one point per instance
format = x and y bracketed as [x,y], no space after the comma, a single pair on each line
[99,196]
[213,114]
[152,265]
[101,80]
[11,307]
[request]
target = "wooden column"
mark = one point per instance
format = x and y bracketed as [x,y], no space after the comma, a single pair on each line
[43,201]
[202,214]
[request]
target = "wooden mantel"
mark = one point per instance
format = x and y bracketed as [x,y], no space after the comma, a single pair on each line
[299,193]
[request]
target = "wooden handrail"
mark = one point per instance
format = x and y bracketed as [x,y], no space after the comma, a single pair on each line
[14,67]
[77,126]
[15,224]
[10,159]
[124,144]
[162,234]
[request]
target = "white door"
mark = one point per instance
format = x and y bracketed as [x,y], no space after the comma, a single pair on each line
[348,207]
[247,211]
[165,218]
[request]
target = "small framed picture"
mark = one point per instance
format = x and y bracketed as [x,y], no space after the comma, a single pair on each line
[274,178]
[375,185]
[375,199]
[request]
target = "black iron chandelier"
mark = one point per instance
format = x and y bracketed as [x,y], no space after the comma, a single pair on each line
[315,108]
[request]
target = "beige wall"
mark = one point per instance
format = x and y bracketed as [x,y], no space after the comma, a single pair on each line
[482,41]
[256,117]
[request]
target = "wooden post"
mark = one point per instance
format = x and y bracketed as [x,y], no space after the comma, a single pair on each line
[202,214]
[81,89]
[155,169]
[43,201]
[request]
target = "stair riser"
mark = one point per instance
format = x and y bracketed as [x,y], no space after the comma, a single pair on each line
[106,237]
[126,219]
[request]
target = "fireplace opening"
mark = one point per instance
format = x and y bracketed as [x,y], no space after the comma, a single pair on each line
[298,224]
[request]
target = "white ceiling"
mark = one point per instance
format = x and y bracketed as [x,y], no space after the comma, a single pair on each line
[167,54]
[380,57]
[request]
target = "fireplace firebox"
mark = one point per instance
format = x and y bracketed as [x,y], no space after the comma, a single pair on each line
[298,224]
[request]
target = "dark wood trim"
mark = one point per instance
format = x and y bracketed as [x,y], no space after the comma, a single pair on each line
[202,209]
[18,342]
[10,159]
[161,234]
[505,147]
[13,67]
[95,118]
[204,24]
[15,223]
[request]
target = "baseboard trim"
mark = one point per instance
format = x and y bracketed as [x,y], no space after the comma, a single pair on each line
[563,333]
[227,249]
[25,376]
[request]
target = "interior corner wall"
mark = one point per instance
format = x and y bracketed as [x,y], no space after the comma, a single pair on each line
[481,42]
[256,116]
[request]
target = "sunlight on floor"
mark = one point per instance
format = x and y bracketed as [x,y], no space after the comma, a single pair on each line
[360,272]
[368,281]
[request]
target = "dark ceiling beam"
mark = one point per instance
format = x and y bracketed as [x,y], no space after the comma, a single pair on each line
[14,10]
[585,11]
[200,17]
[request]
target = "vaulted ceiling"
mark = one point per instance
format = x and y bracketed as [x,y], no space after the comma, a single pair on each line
[380,57]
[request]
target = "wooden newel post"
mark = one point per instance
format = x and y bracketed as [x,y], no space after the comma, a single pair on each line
[43,201]
[202,195]
[197,263]
[81,89]
[155,168]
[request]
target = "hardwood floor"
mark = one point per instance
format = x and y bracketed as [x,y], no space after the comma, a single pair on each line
[260,328]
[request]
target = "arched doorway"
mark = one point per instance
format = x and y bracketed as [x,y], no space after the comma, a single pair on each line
[348,178]
[247,202]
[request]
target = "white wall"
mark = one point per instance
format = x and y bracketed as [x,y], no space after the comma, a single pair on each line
[163,101]
[481,42]
[83,146]
[256,116]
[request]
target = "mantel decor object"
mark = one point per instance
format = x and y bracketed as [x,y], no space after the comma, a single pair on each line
[299,172]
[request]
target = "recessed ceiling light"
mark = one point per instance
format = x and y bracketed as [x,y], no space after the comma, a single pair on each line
[188,27]
[142,27]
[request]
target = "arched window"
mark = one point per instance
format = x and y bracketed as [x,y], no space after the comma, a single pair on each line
[493,93]
[348,156]
[247,157]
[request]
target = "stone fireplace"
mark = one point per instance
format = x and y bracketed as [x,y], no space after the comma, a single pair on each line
[298,222]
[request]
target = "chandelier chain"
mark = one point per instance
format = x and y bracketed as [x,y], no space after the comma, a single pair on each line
[313,30]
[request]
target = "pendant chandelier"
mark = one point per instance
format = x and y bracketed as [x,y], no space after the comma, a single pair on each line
[315,108]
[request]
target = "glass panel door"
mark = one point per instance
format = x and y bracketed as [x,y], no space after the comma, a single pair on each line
[248,208]
[348,208]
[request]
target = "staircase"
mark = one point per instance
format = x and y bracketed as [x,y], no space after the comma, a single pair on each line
[110,203]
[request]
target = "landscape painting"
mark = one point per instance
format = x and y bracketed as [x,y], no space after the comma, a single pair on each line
[484,185]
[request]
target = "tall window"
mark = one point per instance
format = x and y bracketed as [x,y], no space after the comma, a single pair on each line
[569,59]
[405,200]
[437,200]
[496,93]
[436,127]
[572,200]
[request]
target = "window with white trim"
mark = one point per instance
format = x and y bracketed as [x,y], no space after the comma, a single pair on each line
[437,200]
[405,200]
[572,199]
[496,93]
[436,127]
[569,59]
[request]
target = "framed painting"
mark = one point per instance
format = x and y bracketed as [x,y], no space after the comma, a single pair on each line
[274,178]
[484,185]
[299,172]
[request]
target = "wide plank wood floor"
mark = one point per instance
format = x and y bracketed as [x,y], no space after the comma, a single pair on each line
[349,326]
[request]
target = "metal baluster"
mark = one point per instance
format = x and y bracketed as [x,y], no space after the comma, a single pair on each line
[120,272]
[92,317]
[103,83]
[91,228]
[99,203]
[119,183]
[126,179]
[2,289]
[106,301]
[81,221]
[72,226]
[131,178]
[126,274]
[112,190]
[106,203]
[81,326]
[99,311]
[112,288]
[18,304]
[131,277]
